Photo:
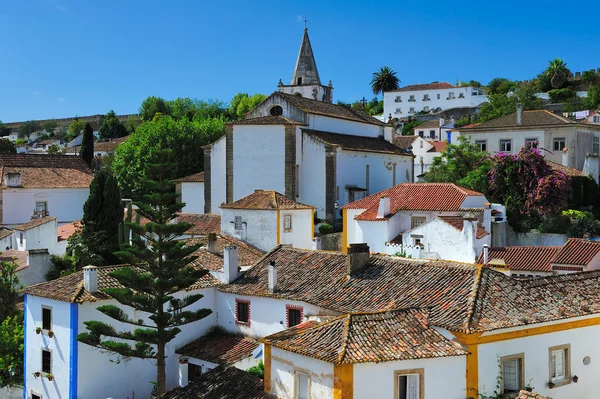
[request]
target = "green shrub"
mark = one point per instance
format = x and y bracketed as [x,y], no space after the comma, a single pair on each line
[325,228]
[258,370]
[582,223]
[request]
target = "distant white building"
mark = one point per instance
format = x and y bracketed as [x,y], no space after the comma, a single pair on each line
[191,189]
[409,100]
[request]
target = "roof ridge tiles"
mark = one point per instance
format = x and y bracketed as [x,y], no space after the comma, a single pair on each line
[345,335]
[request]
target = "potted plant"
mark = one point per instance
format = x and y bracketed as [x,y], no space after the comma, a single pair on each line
[529,387]
[575,379]
[38,330]
[49,376]
[50,333]
[37,374]
[550,385]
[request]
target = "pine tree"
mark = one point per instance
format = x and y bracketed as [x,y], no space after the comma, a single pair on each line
[102,214]
[158,267]
[86,152]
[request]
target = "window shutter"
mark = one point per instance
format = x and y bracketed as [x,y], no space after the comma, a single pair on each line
[412,386]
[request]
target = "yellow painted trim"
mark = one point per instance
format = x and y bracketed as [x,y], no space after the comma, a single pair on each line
[344,230]
[472,372]
[312,229]
[278,227]
[267,364]
[343,381]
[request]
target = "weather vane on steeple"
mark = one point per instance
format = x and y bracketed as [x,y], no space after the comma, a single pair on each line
[305,21]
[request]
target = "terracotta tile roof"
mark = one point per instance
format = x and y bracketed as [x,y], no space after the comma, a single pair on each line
[404,142]
[565,169]
[134,215]
[67,230]
[426,86]
[323,108]
[530,119]
[577,251]
[369,338]
[221,383]
[534,259]
[70,288]
[470,125]
[438,146]
[355,143]
[46,171]
[109,146]
[220,347]
[414,196]
[202,223]
[34,223]
[458,222]
[265,200]
[530,395]
[432,124]
[5,232]
[195,178]
[16,256]
[247,254]
[267,120]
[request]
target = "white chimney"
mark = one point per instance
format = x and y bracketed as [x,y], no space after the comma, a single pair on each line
[230,263]
[12,180]
[316,243]
[90,279]
[384,207]
[183,371]
[211,242]
[565,156]
[519,114]
[442,122]
[487,217]
[272,276]
[486,254]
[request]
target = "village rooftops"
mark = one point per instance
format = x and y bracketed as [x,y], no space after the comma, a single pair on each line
[194,178]
[265,200]
[16,256]
[438,146]
[33,223]
[426,86]
[530,119]
[355,143]
[213,259]
[368,338]
[67,230]
[109,145]
[220,347]
[202,223]
[416,197]
[458,222]
[267,120]
[43,171]
[565,169]
[460,297]
[405,142]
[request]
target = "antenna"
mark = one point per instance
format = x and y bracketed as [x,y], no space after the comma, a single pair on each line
[305,21]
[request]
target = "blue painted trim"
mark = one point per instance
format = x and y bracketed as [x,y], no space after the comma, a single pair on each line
[25,346]
[73,358]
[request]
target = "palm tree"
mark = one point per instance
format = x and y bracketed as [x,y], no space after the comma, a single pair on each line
[384,80]
[558,73]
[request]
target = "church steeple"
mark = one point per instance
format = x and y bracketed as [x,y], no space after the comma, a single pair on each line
[306,72]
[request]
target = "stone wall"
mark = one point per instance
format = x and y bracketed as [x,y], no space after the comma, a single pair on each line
[504,235]
[331,242]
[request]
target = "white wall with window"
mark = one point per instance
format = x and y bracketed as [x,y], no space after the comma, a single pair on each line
[257,227]
[296,227]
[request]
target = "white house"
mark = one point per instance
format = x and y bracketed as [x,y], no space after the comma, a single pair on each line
[191,189]
[42,184]
[425,151]
[267,218]
[382,218]
[314,152]
[409,100]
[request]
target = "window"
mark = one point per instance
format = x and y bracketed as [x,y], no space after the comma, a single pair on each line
[46,361]
[46,319]
[194,371]
[287,223]
[532,143]
[432,134]
[411,110]
[482,144]
[421,143]
[474,93]
[451,95]
[461,95]
[409,384]
[294,315]
[41,207]
[596,145]
[438,96]
[417,242]
[398,110]
[35,396]
[20,238]
[238,223]
[558,143]
[560,364]
[299,81]
[302,385]
[505,145]
[426,109]
[512,373]
[596,118]
[416,221]
[426,97]
[411,98]
[421,133]
[242,311]
[398,99]
[276,110]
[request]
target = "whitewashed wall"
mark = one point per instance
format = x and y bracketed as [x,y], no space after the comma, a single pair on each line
[390,105]
[260,229]
[343,126]
[311,159]
[44,236]
[302,232]
[38,266]
[7,243]
[217,175]
[64,203]
[421,149]
[284,364]
[192,193]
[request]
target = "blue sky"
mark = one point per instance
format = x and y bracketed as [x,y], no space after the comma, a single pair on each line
[63,58]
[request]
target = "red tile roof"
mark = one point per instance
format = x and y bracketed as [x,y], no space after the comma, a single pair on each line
[67,230]
[432,124]
[438,146]
[458,222]
[534,259]
[265,200]
[369,338]
[109,146]
[530,118]
[220,347]
[426,86]
[202,224]
[195,178]
[565,169]
[414,196]
[577,251]
[247,254]
[267,120]
[355,143]
[34,223]
[46,171]
[404,142]
[16,256]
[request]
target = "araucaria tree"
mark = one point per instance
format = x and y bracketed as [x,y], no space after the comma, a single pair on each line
[158,268]
[86,152]
[384,80]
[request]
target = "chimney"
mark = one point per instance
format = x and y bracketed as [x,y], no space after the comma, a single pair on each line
[183,371]
[442,122]
[384,207]
[486,254]
[90,279]
[577,74]
[519,114]
[230,263]
[591,166]
[316,244]
[487,217]
[565,156]
[12,180]
[211,242]
[272,276]
[357,258]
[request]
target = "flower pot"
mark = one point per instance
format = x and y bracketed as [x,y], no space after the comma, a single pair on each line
[528,389]
[38,330]
[575,379]
[50,334]
[37,374]
[50,377]
[550,385]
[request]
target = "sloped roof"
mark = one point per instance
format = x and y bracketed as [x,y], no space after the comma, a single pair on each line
[438,146]
[46,171]
[267,120]
[565,169]
[577,251]
[265,200]
[306,66]
[67,230]
[16,256]
[368,338]
[432,124]
[414,196]
[194,178]
[109,146]
[426,86]
[5,232]
[33,223]
[404,142]
[202,223]
[458,222]
[220,347]
[530,118]
[247,254]
[534,259]
[355,143]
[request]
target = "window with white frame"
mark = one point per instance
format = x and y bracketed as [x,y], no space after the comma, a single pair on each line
[426,109]
[237,223]
[512,373]
[505,145]
[531,143]
[416,221]
[438,96]
[398,110]
[46,361]
[409,384]
[421,133]
[559,143]
[411,98]
[560,364]
[41,207]
[411,110]
[461,95]
[398,99]
[46,318]
[302,385]
[451,95]
[482,144]
[596,145]
[287,223]
[426,97]
[194,371]
[432,134]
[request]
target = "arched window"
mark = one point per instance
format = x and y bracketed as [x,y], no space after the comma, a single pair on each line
[276,111]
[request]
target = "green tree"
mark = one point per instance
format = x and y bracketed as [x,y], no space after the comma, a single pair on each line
[49,127]
[9,289]
[102,214]
[54,150]
[111,127]
[158,267]
[385,79]
[409,128]
[61,132]
[86,152]
[12,337]
[592,100]
[499,105]
[470,83]
[4,130]
[151,106]
[501,86]
[75,128]
[182,139]
[242,103]
[590,77]
[7,147]
[28,128]
[582,223]
[558,73]
[132,123]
